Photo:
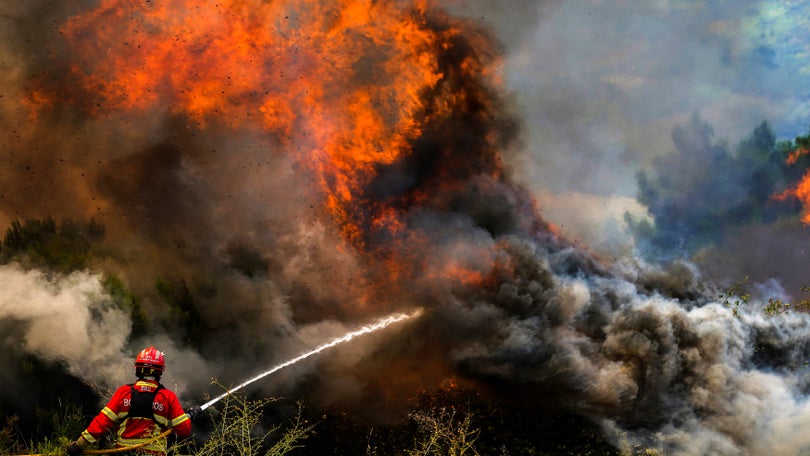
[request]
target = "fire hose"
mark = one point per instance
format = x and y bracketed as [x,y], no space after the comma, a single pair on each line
[380,324]
[110,450]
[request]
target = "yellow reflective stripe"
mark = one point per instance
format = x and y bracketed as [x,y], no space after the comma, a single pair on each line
[110,414]
[86,435]
[162,420]
[122,427]
[180,419]
[156,445]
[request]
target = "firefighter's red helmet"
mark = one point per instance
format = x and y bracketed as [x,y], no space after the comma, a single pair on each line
[151,358]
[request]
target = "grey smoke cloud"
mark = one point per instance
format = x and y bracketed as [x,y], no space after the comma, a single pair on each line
[684,376]
[602,84]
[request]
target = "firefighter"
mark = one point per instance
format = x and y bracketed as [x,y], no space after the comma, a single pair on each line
[140,411]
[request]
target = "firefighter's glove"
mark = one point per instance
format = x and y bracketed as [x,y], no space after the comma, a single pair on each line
[194,412]
[74,449]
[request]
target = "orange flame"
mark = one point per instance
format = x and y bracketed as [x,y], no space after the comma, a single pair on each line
[344,82]
[800,191]
[460,274]
[349,87]
[793,157]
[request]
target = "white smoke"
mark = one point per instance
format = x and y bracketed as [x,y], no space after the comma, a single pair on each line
[650,353]
[66,319]
[70,319]
[701,380]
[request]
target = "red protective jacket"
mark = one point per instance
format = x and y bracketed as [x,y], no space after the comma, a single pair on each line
[166,410]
